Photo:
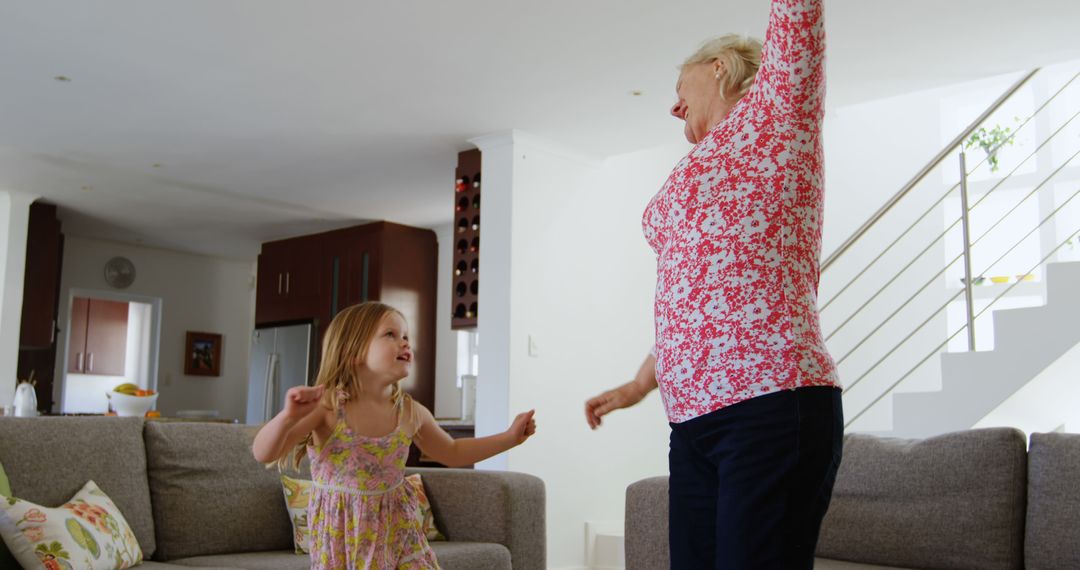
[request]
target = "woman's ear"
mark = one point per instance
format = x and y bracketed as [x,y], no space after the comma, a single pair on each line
[719,68]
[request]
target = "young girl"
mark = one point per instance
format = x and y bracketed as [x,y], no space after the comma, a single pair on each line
[355,425]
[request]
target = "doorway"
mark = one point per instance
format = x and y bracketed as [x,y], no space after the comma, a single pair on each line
[111,339]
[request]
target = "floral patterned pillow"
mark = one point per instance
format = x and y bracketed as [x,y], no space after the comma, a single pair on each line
[427,519]
[298,494]
[88,532]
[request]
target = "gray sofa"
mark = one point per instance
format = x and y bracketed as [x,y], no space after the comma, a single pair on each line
[195,496]
[972,500]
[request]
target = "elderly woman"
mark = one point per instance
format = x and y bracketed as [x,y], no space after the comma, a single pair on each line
[747,383]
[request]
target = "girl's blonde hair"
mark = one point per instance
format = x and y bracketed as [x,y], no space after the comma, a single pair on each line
[344,347]
[741,56]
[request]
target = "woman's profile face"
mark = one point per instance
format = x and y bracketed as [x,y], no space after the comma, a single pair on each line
[697,92]
[700,103]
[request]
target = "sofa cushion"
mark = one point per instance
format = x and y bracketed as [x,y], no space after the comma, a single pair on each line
[451,556]
[490,506]
[472,556]
[830,564]
[88,531]
[210,496]
[269,560]
[151,565]
[646,524]
[955,501]
[49,459]
[1053,513]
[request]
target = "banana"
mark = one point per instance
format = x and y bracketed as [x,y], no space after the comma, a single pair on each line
[126,388]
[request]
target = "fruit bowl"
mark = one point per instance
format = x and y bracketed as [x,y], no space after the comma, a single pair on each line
[126,405]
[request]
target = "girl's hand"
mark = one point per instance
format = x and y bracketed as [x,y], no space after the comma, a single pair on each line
[302,400]
[622,397]
[522,428]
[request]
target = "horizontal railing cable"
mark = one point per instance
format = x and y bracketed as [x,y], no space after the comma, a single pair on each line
[938,348]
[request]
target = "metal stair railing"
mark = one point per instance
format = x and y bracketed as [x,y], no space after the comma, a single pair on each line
[964,221]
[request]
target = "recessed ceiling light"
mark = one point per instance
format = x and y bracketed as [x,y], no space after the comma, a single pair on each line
[62,78]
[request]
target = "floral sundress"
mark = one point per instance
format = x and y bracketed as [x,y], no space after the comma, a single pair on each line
[362,513]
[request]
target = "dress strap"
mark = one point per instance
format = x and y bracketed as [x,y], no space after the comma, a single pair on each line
[342,396]
[407,415]
[401,404]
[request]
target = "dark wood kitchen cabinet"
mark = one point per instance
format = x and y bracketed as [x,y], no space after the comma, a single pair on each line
[311,278]
[41,300]
[41,280]
[290,284]
[98,337]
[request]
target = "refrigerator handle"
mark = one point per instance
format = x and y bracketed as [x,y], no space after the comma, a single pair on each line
[270,384]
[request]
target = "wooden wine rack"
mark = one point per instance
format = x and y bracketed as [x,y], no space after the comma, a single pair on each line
[465,288]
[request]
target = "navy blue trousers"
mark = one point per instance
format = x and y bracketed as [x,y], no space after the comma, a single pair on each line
[750,483]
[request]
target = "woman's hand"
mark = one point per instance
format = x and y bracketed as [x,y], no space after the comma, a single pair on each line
[522,428]
[622,397]
[302,400]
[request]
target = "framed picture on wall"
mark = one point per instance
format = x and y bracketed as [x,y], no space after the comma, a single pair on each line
[202,354]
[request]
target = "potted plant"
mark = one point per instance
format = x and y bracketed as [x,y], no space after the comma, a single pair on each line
[991,139]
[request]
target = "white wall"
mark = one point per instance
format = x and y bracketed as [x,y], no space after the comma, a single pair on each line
[203,294]
[447,392]
[14,216]
[580,278]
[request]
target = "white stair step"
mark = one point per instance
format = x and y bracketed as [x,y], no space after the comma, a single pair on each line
[1026,341]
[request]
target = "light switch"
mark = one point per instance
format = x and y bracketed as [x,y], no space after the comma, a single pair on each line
[534,350]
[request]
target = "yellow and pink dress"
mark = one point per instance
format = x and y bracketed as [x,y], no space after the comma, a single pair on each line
[363,515]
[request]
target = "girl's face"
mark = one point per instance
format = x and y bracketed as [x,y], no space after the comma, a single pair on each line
[389,355]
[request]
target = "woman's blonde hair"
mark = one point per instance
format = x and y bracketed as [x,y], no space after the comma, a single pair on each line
[741,56]
[344,347]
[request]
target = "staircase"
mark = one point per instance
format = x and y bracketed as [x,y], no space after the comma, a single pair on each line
[898,307]
[1026,342]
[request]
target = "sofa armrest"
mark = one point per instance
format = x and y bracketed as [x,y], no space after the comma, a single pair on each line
[491,506]
[646,530]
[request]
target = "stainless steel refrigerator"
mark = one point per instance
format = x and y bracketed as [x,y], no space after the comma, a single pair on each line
[280,359]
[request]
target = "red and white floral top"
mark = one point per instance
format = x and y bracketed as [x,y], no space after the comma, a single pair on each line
[737,233]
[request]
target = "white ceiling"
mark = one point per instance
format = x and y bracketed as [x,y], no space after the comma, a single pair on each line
[276,118]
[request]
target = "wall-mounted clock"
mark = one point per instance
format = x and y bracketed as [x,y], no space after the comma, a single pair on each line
[119,272]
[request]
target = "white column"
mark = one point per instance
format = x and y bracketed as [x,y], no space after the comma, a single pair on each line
[493,321]
[14,218]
